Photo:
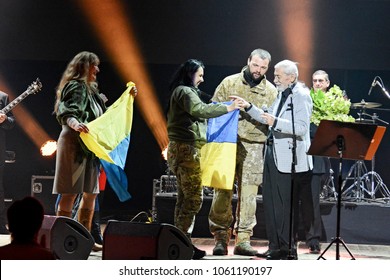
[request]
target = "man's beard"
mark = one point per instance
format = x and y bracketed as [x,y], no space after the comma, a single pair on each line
[281,88]
[256,80]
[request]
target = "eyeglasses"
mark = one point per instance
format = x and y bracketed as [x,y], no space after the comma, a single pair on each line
[318,80]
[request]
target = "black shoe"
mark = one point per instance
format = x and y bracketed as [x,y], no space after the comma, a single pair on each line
[276,255]
[264,254]
[282,255]
[314,249]
[198,254]
[4,230]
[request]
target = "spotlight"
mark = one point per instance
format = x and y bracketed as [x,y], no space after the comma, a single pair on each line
[48,148]
[164,153]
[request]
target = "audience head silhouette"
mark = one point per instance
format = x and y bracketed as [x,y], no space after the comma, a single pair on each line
[25,219]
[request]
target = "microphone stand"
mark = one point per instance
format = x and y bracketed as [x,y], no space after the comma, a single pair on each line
[290,255]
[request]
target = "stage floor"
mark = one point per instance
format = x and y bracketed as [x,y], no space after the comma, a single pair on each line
[360,223]
[358,251]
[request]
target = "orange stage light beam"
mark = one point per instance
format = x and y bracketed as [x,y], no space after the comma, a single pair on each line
[112,27]
[297,21]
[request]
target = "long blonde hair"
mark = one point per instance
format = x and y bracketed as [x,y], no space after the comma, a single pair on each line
[77,69]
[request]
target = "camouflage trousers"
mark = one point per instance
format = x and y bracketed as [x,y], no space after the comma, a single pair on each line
[184,162]
[249,175]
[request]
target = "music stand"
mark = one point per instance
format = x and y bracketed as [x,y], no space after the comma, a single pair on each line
[356,141]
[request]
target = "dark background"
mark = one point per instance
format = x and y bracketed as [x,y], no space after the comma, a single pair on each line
[39,37]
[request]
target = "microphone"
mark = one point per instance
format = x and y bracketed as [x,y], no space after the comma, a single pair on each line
[374,83]
[103,97]
[384,90]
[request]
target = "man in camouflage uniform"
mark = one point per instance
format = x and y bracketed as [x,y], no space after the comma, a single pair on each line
[252,85]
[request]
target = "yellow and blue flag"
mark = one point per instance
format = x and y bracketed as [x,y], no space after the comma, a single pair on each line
[109,139]
[218,155]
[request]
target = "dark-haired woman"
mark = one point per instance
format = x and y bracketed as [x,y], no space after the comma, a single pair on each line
[187,119]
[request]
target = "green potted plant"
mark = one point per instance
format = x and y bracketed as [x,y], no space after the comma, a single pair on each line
[330,105]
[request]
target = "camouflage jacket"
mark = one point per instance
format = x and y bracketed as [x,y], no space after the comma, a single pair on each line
[261,95]
[187,116]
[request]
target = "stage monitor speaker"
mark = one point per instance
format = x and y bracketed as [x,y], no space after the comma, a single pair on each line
[141,241]
[41,189]
[66,238]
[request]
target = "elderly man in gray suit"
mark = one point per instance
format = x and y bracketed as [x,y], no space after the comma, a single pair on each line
[288,118]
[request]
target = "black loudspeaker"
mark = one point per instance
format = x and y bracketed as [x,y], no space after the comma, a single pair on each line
[141,241]
[66,238]
[41,189]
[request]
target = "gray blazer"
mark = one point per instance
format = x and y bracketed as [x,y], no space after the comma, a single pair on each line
[282,130]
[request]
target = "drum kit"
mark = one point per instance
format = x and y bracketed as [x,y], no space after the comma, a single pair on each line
[367,184]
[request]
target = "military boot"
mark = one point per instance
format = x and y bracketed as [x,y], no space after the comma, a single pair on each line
[221,243]
[243,246]
[220,249]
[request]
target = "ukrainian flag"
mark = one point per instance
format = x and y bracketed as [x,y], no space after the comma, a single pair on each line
[218,155]
[109,139]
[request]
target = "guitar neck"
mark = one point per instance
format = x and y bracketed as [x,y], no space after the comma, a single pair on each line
[33,88]
[15,102]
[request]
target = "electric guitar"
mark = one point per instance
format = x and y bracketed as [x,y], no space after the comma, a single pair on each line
[32,89]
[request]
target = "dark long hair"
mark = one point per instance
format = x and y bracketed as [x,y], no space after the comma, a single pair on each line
[185,73]
[183,77]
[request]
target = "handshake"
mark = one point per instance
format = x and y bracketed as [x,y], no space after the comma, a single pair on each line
[238,103]
[263,117]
